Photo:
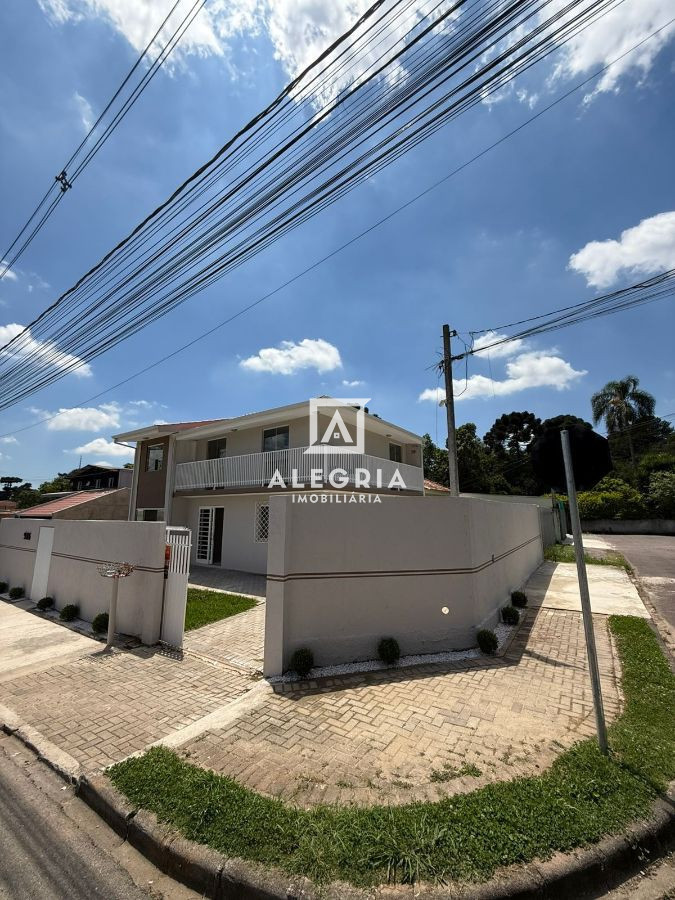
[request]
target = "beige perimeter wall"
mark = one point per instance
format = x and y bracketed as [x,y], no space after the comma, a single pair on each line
[73,576]
[342,576]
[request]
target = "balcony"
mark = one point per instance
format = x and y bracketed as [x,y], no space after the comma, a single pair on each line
[255,470]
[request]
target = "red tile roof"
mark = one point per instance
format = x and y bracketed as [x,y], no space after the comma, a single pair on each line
[435,486]
[53,506]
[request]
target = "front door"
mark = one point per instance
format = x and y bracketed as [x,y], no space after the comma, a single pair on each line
[210,535]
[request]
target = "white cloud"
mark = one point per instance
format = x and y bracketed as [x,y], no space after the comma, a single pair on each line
[83,418]
[48,350]
[537,368]
[8,440]
[645,249]
[85,111]
[101,447]
[490,337]
[616,32]
[355,383]
[290,357]
[10,274]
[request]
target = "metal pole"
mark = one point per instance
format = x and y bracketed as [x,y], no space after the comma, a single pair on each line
[112,615]
[584,593]
[450,413]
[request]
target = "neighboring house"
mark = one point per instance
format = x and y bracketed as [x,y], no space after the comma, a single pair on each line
[434,489]
[110,505]
[214,477]
[97,477]
[7,508]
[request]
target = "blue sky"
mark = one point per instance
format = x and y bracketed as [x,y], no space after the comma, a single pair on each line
[578,202]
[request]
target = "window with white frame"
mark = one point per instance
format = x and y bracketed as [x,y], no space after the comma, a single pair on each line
[155,459]
[261,522]
[276,438]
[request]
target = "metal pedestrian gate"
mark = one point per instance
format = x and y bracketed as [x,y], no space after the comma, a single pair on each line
[176,572]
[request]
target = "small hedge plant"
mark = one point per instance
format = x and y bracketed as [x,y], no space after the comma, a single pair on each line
[389,651]
[510,615]
[69,612]
[518,598]
[487,641]
[3,587]
[45,603]
[16,593]
[302,661]
[100,623]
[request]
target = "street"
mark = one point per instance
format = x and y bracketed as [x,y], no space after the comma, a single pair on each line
[653,558]
[53,846]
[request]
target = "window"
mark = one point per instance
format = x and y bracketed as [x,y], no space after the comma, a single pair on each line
[216,449]
[149,515]
[395,452]
[155,458]
[275,438]
[261,524]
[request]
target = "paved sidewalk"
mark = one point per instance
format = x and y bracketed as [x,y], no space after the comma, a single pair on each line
[402,735]
[555,586]
[238,640]
[231,581]
[29,642]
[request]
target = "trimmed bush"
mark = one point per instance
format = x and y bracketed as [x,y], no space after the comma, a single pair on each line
[662,494]
[487,641]
[45,603]
[518,598]
[389,651]
[3,587]
[510,615]
[612,498]
[16,593]
[100,623]
[302,662]
[69,612]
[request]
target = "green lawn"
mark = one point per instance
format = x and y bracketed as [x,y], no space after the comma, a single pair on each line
[565,553]
[204,607]
[581,798]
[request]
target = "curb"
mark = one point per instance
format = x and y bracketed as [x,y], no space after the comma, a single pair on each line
[573,875]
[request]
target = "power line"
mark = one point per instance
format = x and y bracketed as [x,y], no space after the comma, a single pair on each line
[345,142]
[436,184]
[63,182]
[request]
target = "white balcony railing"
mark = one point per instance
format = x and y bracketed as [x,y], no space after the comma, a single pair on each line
[257,469]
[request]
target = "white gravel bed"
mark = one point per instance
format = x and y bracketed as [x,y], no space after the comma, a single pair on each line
[502,631]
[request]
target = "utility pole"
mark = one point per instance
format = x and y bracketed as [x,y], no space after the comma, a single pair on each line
[450,413]
[584,593]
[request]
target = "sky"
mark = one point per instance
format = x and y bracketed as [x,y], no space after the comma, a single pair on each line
[579,202]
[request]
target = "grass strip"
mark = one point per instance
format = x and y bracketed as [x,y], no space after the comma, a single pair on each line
[564,553]
[582,797]
[204,607]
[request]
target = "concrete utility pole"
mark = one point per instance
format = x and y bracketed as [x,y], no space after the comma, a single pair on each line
[584,593]
[450,412]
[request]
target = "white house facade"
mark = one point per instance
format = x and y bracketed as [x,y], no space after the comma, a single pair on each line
[216,477]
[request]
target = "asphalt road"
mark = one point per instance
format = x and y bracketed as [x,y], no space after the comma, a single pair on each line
[53,846]
[653,558]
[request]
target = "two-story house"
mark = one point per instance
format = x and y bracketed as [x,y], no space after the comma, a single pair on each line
[216,477]
[97,477]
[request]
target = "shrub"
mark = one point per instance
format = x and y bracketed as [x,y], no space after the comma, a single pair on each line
[487,641]
[611,498]
[3,587]
[389,651]
[100,623]
[510,615]
[16,593]
[45,603]
[518,598]
[662,494]
[302,662]
[69,612]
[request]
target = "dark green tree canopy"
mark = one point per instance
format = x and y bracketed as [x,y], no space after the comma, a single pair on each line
[513,433]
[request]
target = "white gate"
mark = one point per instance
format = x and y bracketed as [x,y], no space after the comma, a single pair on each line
[178,545]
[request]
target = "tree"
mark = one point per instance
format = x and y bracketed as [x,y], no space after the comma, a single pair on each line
[513,433]
[26,495]
[9,482]
[56,485]
[478,468]
[564,421]
[621,404]
[435,462]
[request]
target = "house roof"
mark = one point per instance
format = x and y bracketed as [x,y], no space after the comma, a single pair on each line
[161,430]
[46,510]
[430,485]
[94,467]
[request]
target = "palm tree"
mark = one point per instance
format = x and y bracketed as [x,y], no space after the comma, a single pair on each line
[621,404]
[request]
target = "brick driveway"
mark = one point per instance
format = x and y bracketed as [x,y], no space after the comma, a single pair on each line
[102,707]
[238,640]
[401,735]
